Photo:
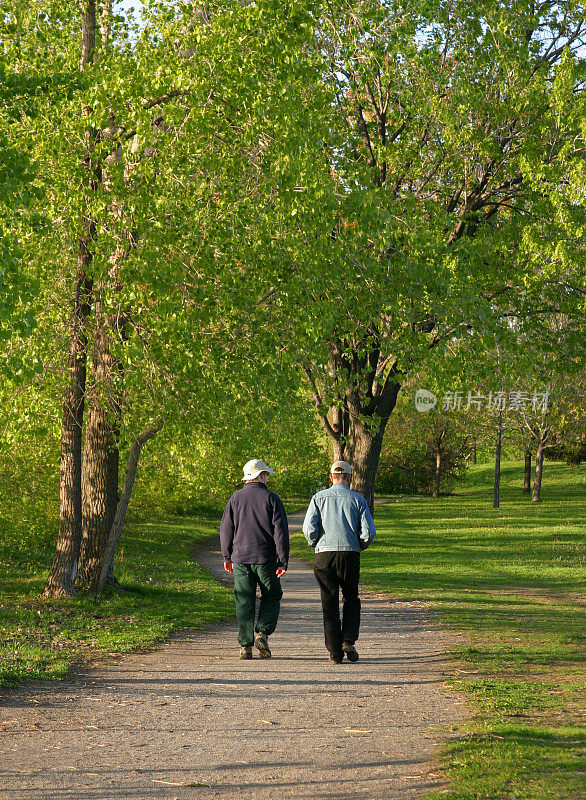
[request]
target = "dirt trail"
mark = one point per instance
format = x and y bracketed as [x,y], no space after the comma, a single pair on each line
[189,720]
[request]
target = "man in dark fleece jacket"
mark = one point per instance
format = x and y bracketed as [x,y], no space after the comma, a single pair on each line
[254,537]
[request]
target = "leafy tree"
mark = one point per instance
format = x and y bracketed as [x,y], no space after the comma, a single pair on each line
[436,196]
[93,165]
[555,421]
[151,160]
[18,96]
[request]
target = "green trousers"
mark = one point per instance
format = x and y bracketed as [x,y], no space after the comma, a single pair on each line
[246,578]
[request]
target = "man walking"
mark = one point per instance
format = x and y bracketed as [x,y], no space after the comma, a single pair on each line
[254,538]
[338,523]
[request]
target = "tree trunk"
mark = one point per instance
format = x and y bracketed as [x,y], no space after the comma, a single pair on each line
[100,456]
[353,442]
[61,580]
[497,463]
[367,386]
[62,575]
[105,21]
[536,495]
[341,442]
[113,499]
[527,479]
[116,529]
[99,502]
[88,33]
[474,453]
[438,468]
[364,460]
[438,463]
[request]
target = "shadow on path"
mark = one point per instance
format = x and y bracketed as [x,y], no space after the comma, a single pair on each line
[191,720]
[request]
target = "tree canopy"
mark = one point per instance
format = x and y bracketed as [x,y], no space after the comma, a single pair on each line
[231,210]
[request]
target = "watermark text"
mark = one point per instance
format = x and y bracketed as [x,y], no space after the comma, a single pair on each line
[475,401]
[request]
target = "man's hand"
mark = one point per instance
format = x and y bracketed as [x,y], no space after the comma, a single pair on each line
[229,566]
[281,571]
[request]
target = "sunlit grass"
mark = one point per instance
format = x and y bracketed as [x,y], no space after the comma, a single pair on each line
[511,582]
[163,590]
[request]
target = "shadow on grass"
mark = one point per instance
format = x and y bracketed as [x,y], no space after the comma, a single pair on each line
[428,585]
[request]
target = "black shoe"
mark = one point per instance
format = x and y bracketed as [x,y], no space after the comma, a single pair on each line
[337,658]
[350,651]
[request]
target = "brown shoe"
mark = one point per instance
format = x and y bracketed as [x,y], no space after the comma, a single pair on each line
[350,651]
[261,642]
[245,653]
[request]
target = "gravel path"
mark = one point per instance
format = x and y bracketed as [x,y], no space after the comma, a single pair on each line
[191,721]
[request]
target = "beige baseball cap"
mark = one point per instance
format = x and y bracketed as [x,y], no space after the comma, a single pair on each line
[341,468]
[253,468]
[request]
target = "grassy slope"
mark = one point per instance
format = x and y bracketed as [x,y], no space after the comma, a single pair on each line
[512,582]
[165,591]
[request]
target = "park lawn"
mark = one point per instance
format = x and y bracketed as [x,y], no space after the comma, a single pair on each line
[163,590]
[510,583]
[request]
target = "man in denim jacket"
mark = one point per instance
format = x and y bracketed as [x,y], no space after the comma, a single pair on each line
[338,523]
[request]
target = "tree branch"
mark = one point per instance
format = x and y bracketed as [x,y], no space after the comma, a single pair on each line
[122,507]
[164,97]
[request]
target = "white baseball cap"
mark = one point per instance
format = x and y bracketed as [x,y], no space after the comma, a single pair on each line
[253,468]
[341,468]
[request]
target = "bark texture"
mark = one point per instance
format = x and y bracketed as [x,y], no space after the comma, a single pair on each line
[88,33]
[364,457]
[356,422]
[100,456]
[63,572]
[527,478]
[536,494]
[105,21]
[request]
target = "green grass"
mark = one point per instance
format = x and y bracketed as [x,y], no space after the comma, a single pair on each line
[511,583]
[163,590]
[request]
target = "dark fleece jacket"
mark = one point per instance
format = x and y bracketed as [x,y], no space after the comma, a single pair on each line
[254,527]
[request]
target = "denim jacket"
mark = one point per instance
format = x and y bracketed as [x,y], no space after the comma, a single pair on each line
[338,519]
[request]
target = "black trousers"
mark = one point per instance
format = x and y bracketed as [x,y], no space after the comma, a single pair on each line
[335,571]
